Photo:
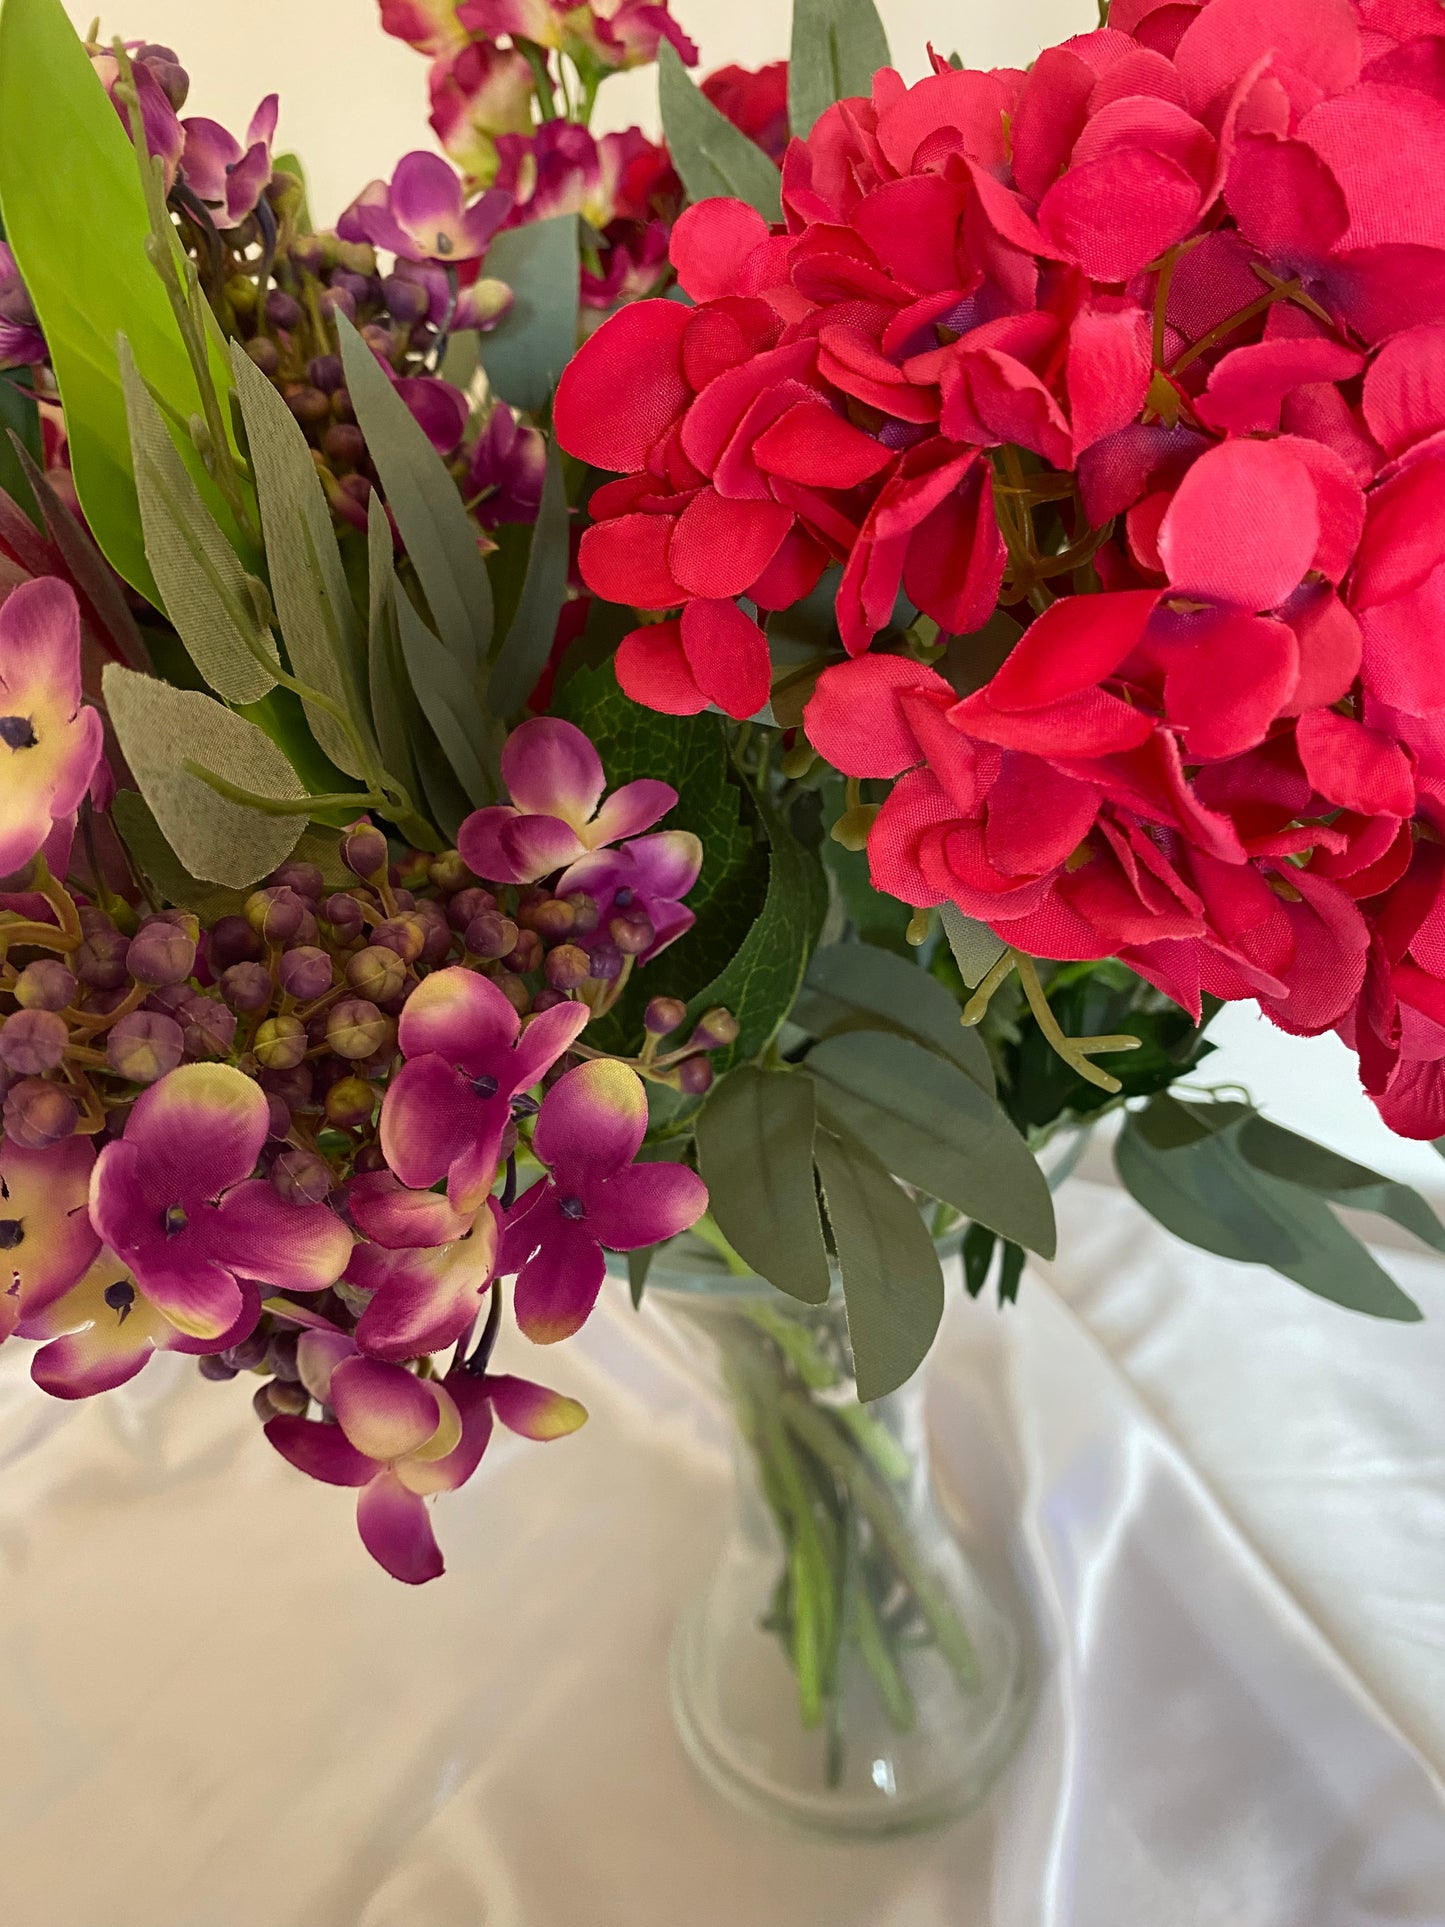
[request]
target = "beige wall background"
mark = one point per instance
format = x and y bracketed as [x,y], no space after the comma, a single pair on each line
[353,101]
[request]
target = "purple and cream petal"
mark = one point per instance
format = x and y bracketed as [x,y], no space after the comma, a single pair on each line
[644,1204]
[210,151]
[199,1130]
[533,1411]
[469,1395]
[291,1247]
[423,1300]
[480,842]
[592,1122]
[546,1038]
[263,121]
[26,826]
[94,1346]
[551,769]
[40,645]
[665,864]
[535,846]
[317,1356]
[558,1285]
[385,1411]
[385,233]
[246,182]
[525,1226]
[386,1211]
[481,221]
[459,1016]
[396,1530]
[631,810]
[320,1451]
[245,1323]
[81,749]
[45,1194]
[669,922]
[197,1294]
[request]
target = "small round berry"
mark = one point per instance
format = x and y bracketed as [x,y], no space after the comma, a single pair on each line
[301,1177]
[449,872]
[305,973]
[663,1015]
[606,961]
[527,954]
[343,913]
[350,1103]
[276,914]
[280,1043]
[33,1042]
[491,935]
[406,935]
[567,967]
[716,1029]
[209,1028]
[46,985]
[37,1115]
[247,987]
[364,851]
[631,930]
[694,1076]
[356,1029]
[467,904]
[585,915]
[145,1047]
[376,972]
[231,941]
[100,962]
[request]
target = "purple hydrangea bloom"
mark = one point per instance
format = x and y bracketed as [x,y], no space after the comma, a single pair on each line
[421,214]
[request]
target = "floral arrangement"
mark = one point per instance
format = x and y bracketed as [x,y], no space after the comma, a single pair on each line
[987,533]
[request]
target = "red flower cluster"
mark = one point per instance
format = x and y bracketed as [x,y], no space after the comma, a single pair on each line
[1158,320]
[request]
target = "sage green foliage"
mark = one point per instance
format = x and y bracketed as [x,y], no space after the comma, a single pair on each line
[523,656]
[447,696]
[755,1151]
[837,47]
[157,861]
[975,948]
[524,355]
[18,414]
[1225,1179]
[709,153]
[75,216]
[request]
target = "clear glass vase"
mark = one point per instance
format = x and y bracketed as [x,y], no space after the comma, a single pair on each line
[845,1668]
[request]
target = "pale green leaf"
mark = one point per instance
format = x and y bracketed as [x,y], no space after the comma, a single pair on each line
[975,948]
[395,713]
[710,154]
[755,1154]
[853,985]
[447,699]
[523,656]
[524,355]
[1281,1154]
[838,46]
[157,861]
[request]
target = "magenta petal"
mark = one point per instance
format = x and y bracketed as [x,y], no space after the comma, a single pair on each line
[425,194]
[558,1286]
[209,151]
[482,219]
[462,1017]
[396,1531]
[544,1040]
[592,1122]
[644,1204]
[320,1451]
[480,841]
[631,810]
[246,182]
[669,922]
[391,1215]
[202,1127]
[665,865]
[434,1125]
[533,1411]
[469,1395]
[199,1296]
[551,769]
[424,1300]
[40,640]
[1243,526]
[535,846]
[385,1411]
[295,1247]
[318,1353]
[75,1367]
[45,1194]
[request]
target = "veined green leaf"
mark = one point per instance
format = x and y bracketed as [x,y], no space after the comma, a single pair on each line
[202,585]
[159,729]
[755,1153]
[313,600]
[707,150]
[75,215]
[524,355]
[447,697]
[853,985]
[523,656]
[440,536]
[838,46]
[892,1279]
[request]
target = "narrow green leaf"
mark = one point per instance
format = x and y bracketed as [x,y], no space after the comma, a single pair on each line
[309,586]
[447,698]
[523,656]
[838,46]
[755,1153]
[639,1263]
[158,728]
[200,581]
[75,215]
[87,567]
[524,355]
[18,412]
[853,984]
[975,948]
[707,150]
[1281,1154]
[395,713]
[979,1245]
[892,1280]
[156,860]
[440,536]
[934,1127]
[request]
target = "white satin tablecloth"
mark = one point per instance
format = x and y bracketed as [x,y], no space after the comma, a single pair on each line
[1220,1503]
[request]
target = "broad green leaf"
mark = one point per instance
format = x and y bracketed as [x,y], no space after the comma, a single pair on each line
[19,413]
[159,728]
[308,584]
[856,984]
[1281,1154]
[934,1127]
[156,860]
[755,1154]
[975,948]
[875,918]
[202,585]
[709,153]
[395,713]
[1010,1270]
[75,215]
[524,355]
[447,697]
[439,535]
[523,656]
[838,46]
[892,1279]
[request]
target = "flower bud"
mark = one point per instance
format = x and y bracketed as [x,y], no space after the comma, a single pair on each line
[282,310]
[406,301]
[280,1043]
[276,914]
[215,1368]
[449,872]
[231,941]
[100,961]
[278,1122]
[327,373]
[145,1046]
[527,955]
[491,935]
[301,1177]
[356,1029]
[246,1354]
[553,920]
[280,1399]
[350,1103]
[516,993]
[694,1076]
[282,1357]
[606,961]
[335,301]
[567,967]
[547,1000]
[663,1015]
[632,932]
[304,878]
[585,915]
[33,1042]
[304,973]
[406,935]
[363,851]
[310,407]
[248,987]
[344,445]
[343,913]
[369,1158]
[266,355]
[376,972]
[294,1087]
[45,985]
[467,904]
[716,1029]
[433,920]
[209,1029]
[412,871]
[37,1115]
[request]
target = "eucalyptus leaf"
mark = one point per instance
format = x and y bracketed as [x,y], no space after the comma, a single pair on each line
[975,948]
[20,416]
[308,583]
[1279,1153]
[157,861]
[524,355]
[523,656]
[711,155]
[395,713]
[934,1127]
[439,535]
[892,1278]
[447,698]
[849,985]
[838,46]
[159,728]
[979,1245]
[201,582]
[755,1154]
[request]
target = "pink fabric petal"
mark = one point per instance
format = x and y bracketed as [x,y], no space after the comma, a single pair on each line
[1247,388]
[820,448]
[544,1039]
[711,243]
[535,846]
[294,1247]
[199,1297]
[1317,40]
[727,654]
[1230,681]
[558,1286]
[593,1121]
[721,547]
[631,810]
[624,388]
[320,1451]
[853,718]
[1356,767]
[1386,148]
[1405,389]
[480,841]
[49,1242]
[435,1124]
[1243,527]
[1402,544]
[460,1016]
[1073,645]
[551,769]
[532,1411]
[40,641]
[666,864]
[318,1353]
[203,1126]
[424,1300]
[385,1211]
[1115,215]
[652,668]
[384,1411]
[644,1204]
[396,1530]
[1286,199]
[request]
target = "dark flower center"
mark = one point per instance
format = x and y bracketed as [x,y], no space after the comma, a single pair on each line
[624,898]
[175,1219]
[573,1208]
[121,1297]
[524,1106]
[485,1086]
[12,1233]
[444,244]
[16,733]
